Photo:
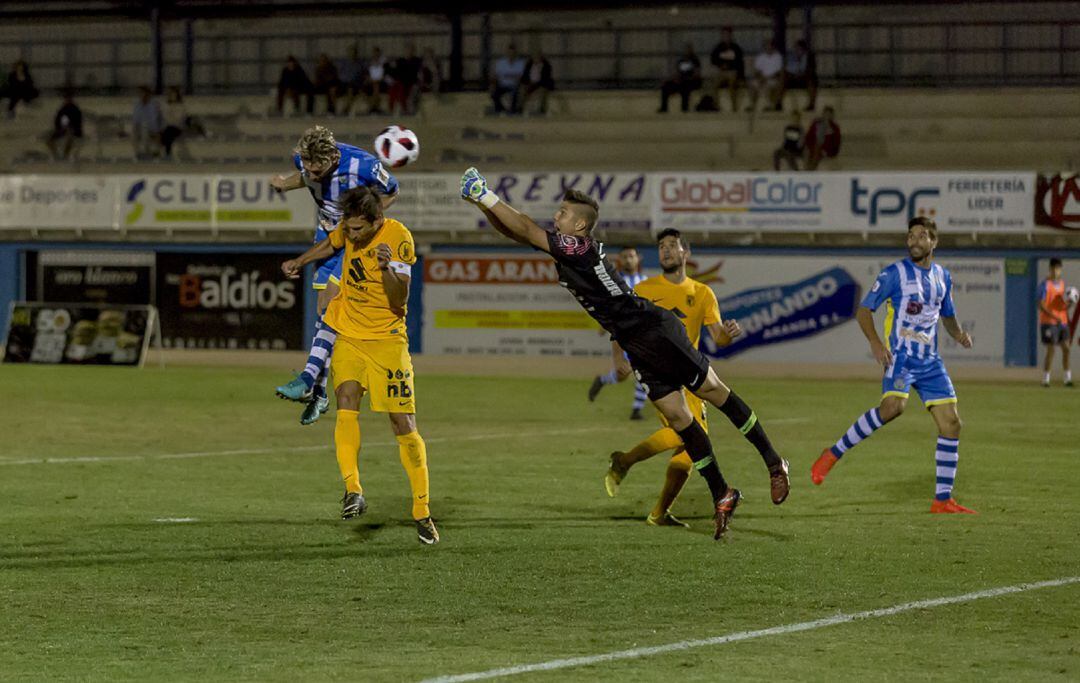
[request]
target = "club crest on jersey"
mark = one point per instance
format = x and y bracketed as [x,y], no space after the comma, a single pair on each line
[898,383]
[689,300]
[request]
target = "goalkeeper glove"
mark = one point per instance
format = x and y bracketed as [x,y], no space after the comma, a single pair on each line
[474,188]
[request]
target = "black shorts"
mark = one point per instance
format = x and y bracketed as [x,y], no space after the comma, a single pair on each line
[663,358]
[1055,333]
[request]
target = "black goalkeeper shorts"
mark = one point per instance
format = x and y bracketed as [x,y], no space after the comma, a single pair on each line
[663,358]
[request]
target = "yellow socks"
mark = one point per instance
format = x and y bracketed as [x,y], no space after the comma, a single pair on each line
[347,445]
[413,454]
[660,441]
[678,471]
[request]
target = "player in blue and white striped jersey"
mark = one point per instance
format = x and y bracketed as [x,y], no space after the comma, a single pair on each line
[628,264]
[328,169]
[917,293]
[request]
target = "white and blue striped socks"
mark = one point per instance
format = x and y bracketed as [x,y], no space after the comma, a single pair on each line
[639,396]
[610,378]
[868,423]
[321,348]
[947,457]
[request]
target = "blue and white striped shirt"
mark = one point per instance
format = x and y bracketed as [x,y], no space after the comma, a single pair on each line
[356,168]
[633,279]
[915,299]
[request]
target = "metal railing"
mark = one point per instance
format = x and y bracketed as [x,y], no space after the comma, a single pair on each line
[954,54]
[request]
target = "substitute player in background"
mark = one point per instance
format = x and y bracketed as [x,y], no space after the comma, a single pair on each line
[328,169]
[661,354]
[916,293]
[367,318]
[695,304]
[628,263]
[1054,321]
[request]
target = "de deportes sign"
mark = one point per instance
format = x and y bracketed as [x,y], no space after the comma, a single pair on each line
[843,202]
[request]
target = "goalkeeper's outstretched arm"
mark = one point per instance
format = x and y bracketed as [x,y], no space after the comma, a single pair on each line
[503,217]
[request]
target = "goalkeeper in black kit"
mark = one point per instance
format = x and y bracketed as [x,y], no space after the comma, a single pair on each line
[663,359]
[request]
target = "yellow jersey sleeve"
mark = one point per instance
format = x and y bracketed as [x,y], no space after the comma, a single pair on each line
[337,236]
[707,300]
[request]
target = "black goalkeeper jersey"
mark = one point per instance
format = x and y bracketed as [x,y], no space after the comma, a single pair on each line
[602,292]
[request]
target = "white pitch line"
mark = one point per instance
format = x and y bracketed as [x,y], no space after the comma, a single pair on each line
[176,520]
[278,449]
[640,652]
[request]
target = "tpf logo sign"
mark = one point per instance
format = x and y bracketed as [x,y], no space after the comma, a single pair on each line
[889,201]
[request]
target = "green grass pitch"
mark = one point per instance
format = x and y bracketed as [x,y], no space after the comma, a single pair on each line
[536,563]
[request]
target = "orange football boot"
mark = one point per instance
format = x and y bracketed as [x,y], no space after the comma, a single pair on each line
[949,506]
[822,465]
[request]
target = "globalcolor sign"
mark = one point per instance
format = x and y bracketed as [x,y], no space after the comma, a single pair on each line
[843,202]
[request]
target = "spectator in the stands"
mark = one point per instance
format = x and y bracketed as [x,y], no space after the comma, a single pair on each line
[294,84]
[430,73]
[537,81]
[146,125]
[404,77]
[175,117]
[20,87]
[352,72]
[375,81]
[327,83]
[800,72]
[791,150]
[768,77]
[685,80]
[506,80]
[730,65]
[822,141]
[67,133]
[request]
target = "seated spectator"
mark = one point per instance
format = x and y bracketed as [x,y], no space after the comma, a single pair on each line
[509,70]
[293,83]
[768,76]
[67,130]
[730,65]
[430,72]
[792,148]
[404,77]
[175,118]
[146,125]
[375,82]
[687,79]
[352,72]
[800,72]
[20,87]
[327,83]
[822,140]
[537,79]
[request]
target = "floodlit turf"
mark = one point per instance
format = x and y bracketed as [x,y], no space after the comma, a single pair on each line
[536,562]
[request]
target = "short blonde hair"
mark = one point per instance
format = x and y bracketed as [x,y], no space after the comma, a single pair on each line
[317,144]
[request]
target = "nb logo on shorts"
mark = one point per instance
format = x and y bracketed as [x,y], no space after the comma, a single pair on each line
[398,390]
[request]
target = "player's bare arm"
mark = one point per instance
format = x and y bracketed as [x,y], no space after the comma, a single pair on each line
[865,317]
[395,284]
[388,199]
[503,217]
[284,183]
[956,332]
[321,250]
[725,331]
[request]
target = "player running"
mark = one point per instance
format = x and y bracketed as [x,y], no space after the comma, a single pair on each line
[1054,321]
[916,293]
[695,305]
[367,317]
[328,169]
[661,354]
[628,264]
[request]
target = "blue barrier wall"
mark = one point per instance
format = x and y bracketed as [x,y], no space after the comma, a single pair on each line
[1020,280]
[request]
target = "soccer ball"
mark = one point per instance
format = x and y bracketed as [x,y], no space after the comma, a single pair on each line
[397,146]
[1072,295]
